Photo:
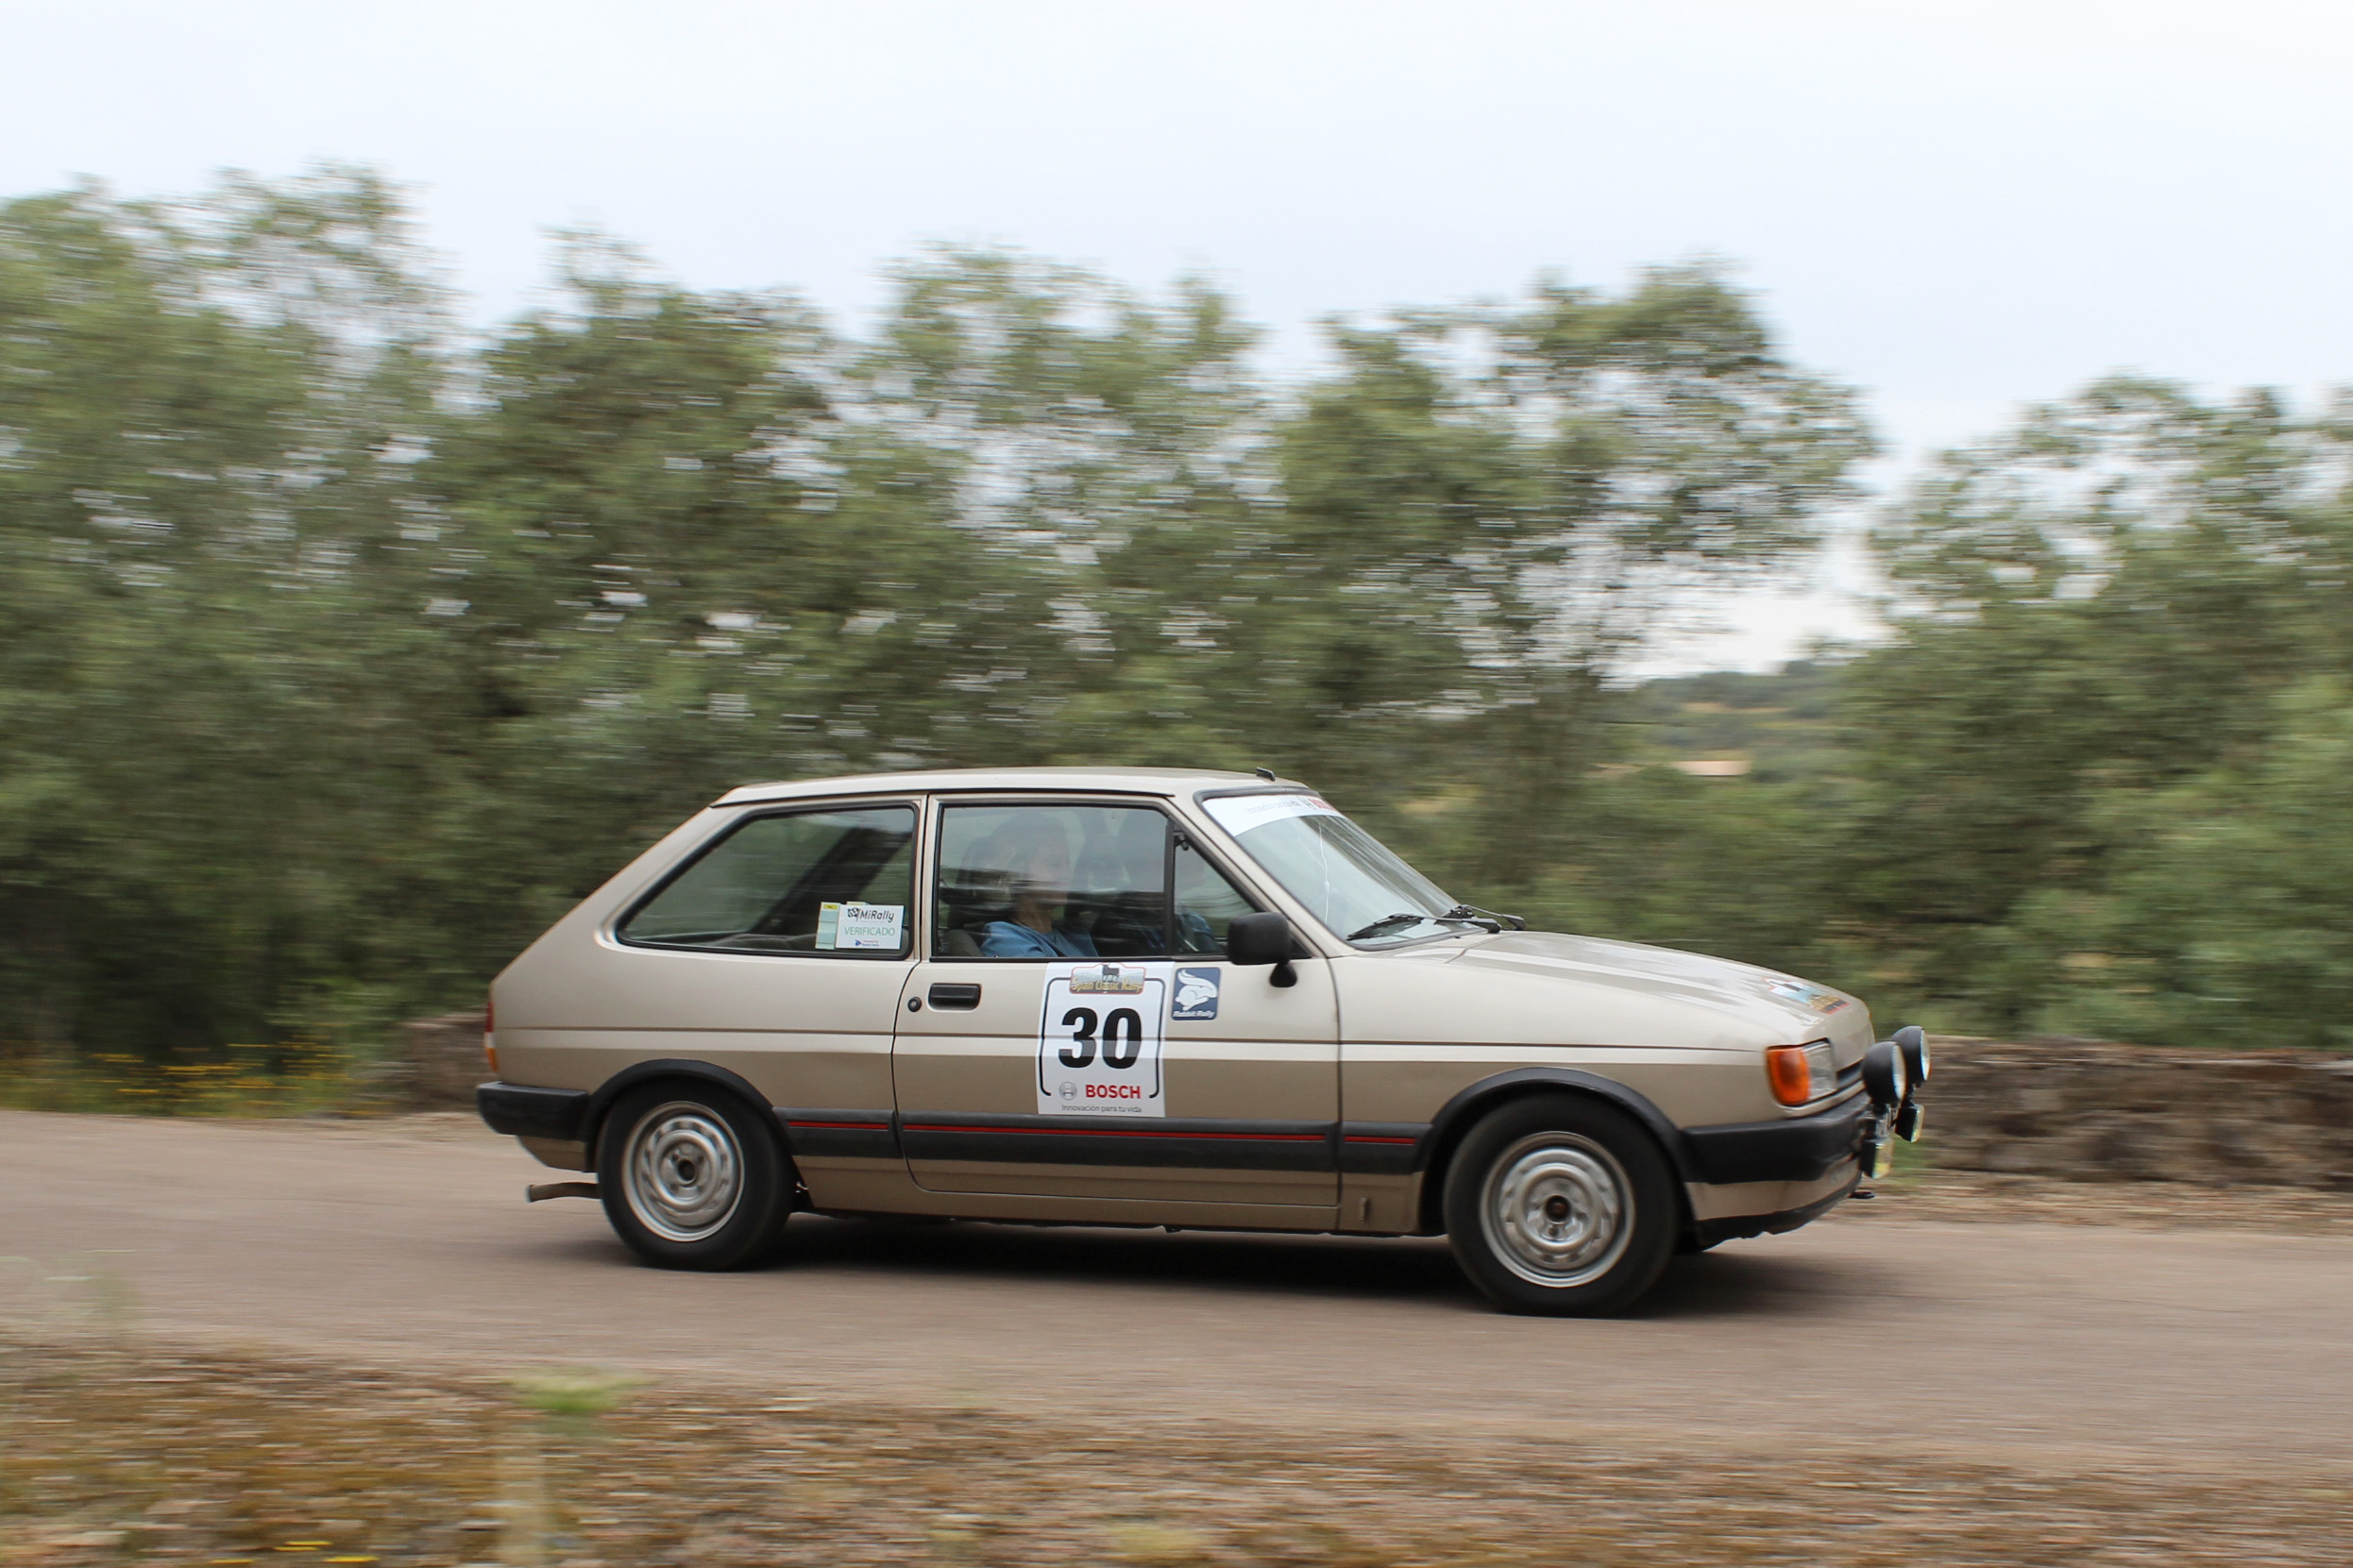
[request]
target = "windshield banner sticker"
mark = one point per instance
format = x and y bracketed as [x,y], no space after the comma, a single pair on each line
[1099,1040]
[865,926]
[1238,814]
[1813,997]
[1196,996]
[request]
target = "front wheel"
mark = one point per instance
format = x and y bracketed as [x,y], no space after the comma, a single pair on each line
[692,1177]
[1561,1205]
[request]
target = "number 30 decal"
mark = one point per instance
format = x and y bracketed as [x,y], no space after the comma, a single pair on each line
[1123,1025]
[1100,1055]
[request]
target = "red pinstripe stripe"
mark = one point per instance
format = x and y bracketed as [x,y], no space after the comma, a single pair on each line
[1121,1132]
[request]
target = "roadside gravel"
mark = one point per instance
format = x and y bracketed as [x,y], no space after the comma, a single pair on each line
[134,1452]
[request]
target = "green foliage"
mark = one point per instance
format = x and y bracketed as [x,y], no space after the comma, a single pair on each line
[343,651]
[345,656]
[196,407]
[2097,781]
[2099,611]
[2226,916]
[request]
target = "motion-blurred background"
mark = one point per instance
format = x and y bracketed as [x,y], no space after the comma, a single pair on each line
[1858,494]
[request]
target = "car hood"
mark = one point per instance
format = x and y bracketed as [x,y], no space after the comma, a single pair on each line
[1764,997]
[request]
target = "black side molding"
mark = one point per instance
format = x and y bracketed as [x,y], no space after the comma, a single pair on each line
[1384,1148]
[1802,1149]
[841,1131]
[1170,1143]
[520,1111]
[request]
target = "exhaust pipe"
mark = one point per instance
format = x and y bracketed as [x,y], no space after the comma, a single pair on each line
[542,1192]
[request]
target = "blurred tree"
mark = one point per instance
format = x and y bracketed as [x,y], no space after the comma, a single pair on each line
[199,407]
[2103,602]
[2226,916]
[347,659]
[1487,513]
[344,653]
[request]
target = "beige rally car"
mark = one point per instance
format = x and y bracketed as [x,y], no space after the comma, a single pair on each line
[1160,998]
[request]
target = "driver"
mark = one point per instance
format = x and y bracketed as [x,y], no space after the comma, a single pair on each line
[1035,850]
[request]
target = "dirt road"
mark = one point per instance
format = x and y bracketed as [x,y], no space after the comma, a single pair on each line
[2197,1350]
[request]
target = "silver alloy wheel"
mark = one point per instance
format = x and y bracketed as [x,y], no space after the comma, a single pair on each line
[1558,1210]
[682,1172]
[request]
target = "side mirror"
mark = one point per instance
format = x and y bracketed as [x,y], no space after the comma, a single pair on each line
[1262,938]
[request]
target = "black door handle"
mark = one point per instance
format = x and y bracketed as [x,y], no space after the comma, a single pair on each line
[947,995]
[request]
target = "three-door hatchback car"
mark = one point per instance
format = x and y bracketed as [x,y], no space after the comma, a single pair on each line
[1143,997]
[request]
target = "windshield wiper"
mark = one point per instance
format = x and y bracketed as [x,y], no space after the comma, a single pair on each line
[1487,917]
[1387,923]
[1459,915]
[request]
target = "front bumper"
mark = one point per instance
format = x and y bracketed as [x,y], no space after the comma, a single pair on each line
[1800,1149]
[1734,1227]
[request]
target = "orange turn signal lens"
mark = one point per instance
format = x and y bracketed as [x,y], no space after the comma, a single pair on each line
[1792,1079]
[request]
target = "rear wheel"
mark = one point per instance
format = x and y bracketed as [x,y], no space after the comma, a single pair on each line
[1561,1205]
[692,1177]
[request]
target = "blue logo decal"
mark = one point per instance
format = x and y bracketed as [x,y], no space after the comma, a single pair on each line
[1196,996]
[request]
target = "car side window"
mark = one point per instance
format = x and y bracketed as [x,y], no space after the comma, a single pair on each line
[826,882]
[1052,882]
[1206,903]
[1044,881]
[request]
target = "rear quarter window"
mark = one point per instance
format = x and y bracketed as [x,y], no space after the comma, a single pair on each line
[827,883]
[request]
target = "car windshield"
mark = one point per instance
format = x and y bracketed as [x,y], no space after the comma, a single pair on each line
[1349,878]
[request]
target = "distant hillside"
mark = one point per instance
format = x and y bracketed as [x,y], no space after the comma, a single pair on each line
[1781,724]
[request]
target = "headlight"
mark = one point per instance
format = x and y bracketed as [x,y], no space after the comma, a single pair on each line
[1799,1074]
[1913,1041]
[1887,1076]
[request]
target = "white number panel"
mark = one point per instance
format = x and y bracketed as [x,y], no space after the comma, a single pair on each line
[1099,1040]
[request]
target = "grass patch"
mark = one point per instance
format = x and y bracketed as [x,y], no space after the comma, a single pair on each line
[291,1079]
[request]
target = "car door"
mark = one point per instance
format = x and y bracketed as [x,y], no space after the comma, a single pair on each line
[1075,1031]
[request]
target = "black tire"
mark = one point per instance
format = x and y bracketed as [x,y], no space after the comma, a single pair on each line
[1561,1205]
[692,1177]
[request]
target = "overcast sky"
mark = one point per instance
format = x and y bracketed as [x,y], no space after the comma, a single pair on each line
[1957,207]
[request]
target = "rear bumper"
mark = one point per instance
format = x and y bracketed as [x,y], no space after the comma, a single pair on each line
[1802,1149]
[557,1114]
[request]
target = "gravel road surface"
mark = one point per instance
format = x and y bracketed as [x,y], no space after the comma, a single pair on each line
[408,1243]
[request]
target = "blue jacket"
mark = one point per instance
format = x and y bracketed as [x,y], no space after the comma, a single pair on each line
[1011,940]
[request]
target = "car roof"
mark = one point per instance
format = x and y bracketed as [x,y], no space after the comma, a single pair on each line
[1170,781]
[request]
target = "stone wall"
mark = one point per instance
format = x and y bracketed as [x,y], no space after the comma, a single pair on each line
[2083,1111]
[440,1060]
